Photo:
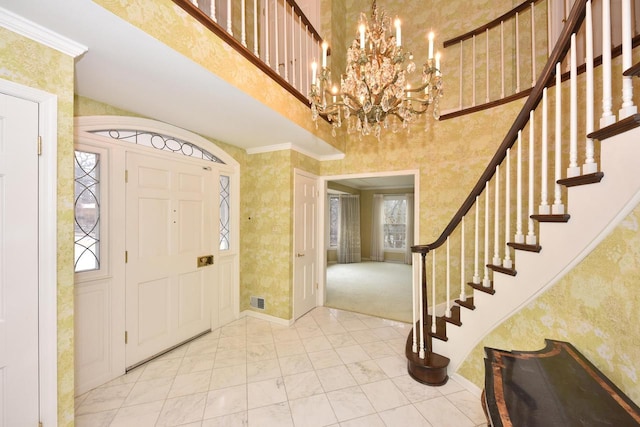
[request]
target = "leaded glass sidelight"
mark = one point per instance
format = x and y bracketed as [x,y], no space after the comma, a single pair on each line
[225,202]
[87,211]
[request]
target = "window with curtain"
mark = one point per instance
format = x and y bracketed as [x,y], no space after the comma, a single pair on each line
[392,225]
[395,222]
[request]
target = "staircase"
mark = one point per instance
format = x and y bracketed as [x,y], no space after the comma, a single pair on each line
[526,223]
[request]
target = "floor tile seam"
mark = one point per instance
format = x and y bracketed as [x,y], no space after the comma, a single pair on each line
[446,396]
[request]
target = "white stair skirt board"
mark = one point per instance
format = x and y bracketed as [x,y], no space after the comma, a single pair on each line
[595,211]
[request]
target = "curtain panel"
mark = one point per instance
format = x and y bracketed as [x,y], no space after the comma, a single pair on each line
[349,249]
[377,228]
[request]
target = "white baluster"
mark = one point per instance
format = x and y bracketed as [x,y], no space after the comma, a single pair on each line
[486,282]
[285,39]
[461,73]
[463,295]
[276,37]
[243,12]
[531,235]
[447,312]
[519,237]
[502,59]
[573,169]
[507,262]
[628,108]
[517,41]
[476,276]
[433,293]
[416,296]
[473,71]
[496,220]
[213,11]
[266,33]
[229,20]
[558,206]
[544,208]
[487,67]
[293,49]
[255,27]
[533,46]
[590,165]
[608,117]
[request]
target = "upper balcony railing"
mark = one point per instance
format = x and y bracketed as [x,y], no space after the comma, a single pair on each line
[275,35]
[499,61]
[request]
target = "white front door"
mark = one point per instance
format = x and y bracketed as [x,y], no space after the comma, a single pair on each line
[305,230]
[19,361]
[169,227]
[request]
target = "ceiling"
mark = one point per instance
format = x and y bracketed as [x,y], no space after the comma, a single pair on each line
[127,68]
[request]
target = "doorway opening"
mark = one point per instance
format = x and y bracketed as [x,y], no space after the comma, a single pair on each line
[370,224]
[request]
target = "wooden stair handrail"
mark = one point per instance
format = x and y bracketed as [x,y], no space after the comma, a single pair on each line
[573,22]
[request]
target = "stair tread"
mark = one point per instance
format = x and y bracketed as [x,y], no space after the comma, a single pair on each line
[589,178]
[481,288]
[455,316]
[551,218]
[525,247]
[468,304]
[501,269]
[634,71]
[616,128]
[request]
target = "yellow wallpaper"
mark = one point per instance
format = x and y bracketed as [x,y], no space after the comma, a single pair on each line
[595,307]
[266,232]
[34,65]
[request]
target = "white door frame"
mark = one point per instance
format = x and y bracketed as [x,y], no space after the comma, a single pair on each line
[47,252]
[322,218]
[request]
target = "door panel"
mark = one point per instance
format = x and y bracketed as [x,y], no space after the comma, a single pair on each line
[305,244]
[169,225]
[18,262]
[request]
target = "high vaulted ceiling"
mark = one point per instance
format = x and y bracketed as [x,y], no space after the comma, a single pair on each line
[127,68]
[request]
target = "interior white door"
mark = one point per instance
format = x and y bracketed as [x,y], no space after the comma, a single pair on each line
[305,266]
[169,227]
[19,405]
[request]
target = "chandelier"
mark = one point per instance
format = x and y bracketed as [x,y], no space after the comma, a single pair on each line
[375,91]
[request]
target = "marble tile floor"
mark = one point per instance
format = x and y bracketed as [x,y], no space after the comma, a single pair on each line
[331,368]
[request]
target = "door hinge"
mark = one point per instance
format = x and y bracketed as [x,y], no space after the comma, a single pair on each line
[39,145]
[40,424]
[126,176]
[126,337]
[316,285]
[126,257]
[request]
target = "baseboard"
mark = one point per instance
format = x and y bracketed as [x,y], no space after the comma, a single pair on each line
[468,385]
[267,317]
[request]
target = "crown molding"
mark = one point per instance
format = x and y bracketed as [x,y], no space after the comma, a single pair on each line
[42,35]
[294,147]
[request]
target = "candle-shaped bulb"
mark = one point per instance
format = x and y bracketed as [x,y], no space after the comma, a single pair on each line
[431,36]
[398,33]
[334,91]
[438,63]
[314,70]
[408,90]
[325,46]
[362,29]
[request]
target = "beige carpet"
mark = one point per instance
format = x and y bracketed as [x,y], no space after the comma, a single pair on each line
[381,289]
